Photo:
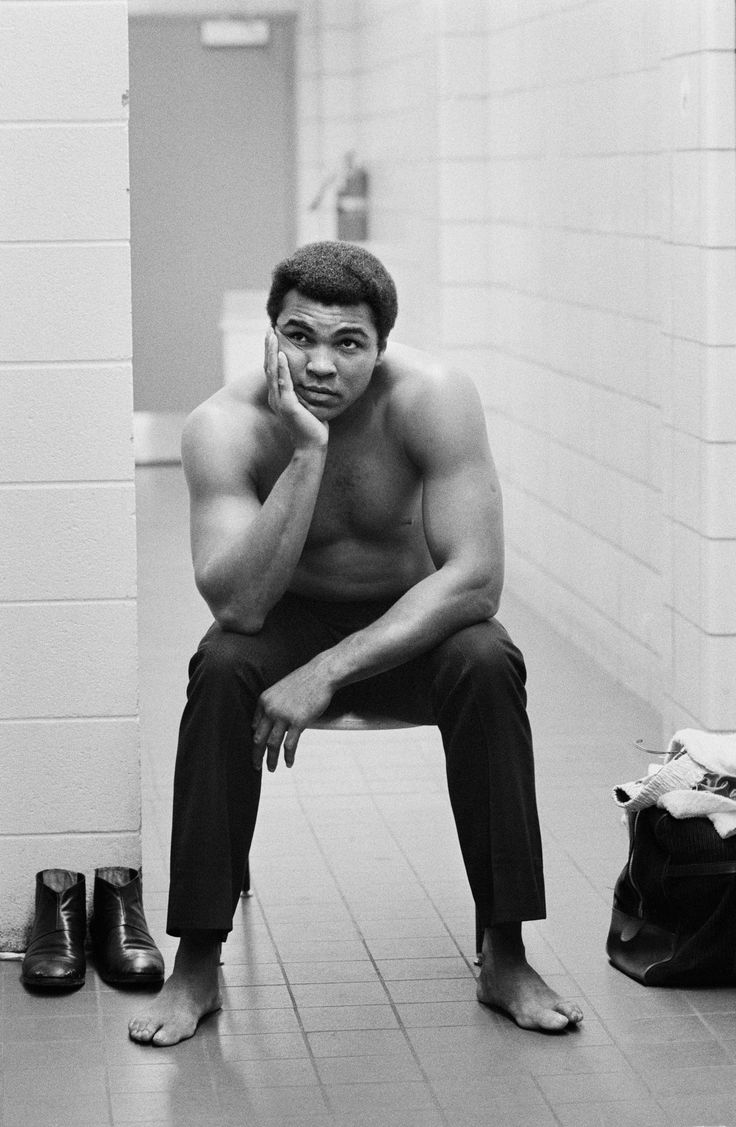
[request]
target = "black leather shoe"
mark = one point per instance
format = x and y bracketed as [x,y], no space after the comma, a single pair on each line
[55,954]
[125,954]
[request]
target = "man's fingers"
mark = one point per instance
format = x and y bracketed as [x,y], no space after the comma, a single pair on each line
[261,731]
[273,746]
[284,374]
[270,367]
[290,745]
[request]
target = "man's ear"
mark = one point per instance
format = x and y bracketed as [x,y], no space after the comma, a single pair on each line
[380,356]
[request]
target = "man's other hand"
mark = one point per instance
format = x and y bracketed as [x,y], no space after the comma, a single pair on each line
[284,711]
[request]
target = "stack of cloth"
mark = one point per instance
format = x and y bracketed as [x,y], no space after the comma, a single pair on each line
[696,780]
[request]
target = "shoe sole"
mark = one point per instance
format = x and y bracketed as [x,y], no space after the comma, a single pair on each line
[53,983]
[141,980]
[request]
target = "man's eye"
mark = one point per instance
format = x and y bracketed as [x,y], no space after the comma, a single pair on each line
[349,345]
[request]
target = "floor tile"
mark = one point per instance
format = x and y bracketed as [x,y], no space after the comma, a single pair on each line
[339,994]
[414,947]
[165,1077]
[319,1018]
[50,1057]
[18,1001]
[252,1021]
[264,1072]
[395,969]
[256,997]
[702,1108]
[466,1012]
[392,1117]
[597,1087]
[381,1098]
[93,1113]
[358,1043]
[617,1113]
[360,970]
[172,1104]
[338,951]
[713,1080]
[38,1028]
[252,974]
[258,1103]
[429,990]
[256,1046]
[368,1070]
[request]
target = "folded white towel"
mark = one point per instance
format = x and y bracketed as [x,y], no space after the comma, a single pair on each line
[702,804]
[715,751]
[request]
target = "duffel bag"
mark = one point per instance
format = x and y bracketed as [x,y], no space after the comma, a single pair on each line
[674,905]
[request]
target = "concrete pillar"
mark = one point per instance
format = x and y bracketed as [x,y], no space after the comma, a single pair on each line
[69,760]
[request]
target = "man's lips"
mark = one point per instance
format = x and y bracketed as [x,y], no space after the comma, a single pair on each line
[316,394]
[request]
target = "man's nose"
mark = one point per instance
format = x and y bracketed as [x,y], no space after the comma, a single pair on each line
[321,362]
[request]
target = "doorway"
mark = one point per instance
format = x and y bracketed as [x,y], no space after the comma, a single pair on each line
[212,165]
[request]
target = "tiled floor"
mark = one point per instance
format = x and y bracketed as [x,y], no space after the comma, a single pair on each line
[350,994]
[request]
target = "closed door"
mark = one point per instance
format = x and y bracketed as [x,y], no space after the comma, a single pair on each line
[212,194]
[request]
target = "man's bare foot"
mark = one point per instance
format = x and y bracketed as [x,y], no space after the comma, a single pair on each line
[187,996]
[507,982]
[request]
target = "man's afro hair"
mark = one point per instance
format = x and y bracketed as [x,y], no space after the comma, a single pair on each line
[337,273]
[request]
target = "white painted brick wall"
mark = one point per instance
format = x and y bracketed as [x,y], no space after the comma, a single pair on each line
[698,326]
[68,708]
[552,185]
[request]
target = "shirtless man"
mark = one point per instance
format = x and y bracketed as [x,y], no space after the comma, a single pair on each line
[347,537]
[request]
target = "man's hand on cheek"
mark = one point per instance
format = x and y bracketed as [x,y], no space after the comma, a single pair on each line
[305,429]
[283,712]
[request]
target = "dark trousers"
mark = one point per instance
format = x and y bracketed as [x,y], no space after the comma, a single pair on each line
[471,686]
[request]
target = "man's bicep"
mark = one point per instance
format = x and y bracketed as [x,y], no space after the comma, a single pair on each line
[463,514]
[222,494]
[215,520]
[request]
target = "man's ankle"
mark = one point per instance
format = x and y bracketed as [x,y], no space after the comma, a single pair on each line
[504,940]
[200,945]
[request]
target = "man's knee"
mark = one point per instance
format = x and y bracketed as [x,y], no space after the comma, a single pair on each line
[224,656]
[482,654]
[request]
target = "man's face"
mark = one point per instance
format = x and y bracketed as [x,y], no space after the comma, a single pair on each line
[331,349]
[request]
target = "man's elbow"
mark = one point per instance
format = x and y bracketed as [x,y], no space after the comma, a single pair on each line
[236,621]
[486,594]
[489,601]
[228,613]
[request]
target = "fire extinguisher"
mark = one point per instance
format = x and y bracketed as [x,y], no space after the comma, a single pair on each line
[352,204]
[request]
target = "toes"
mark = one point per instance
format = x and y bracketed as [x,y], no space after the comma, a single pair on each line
[173,1034]
[572,1012]
[552,1020]
[142,1030]
[546,1020]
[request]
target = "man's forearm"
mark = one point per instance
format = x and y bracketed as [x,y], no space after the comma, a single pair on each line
[431,611]
[254,568]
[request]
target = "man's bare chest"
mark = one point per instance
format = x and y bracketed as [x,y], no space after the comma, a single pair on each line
[369,491]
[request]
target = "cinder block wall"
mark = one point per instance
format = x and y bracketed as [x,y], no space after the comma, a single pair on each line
[552,185]
[699,362]
[368,81]
[70,794]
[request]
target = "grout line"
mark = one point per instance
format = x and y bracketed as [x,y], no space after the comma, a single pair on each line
[74,484]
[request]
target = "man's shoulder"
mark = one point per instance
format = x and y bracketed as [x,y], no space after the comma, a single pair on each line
[226,425]
[436,408]
[409,366]
[236,404]
[418,380]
